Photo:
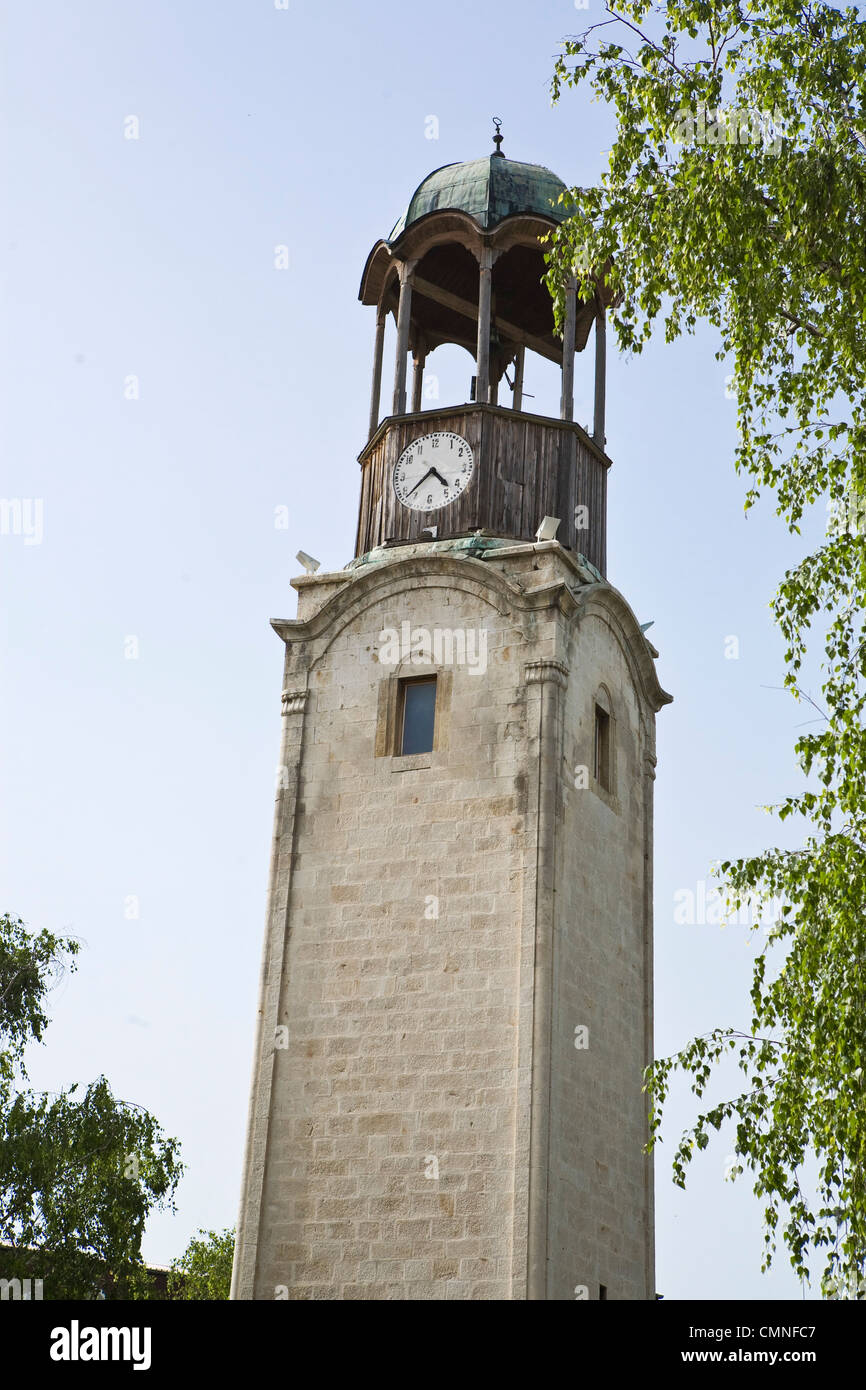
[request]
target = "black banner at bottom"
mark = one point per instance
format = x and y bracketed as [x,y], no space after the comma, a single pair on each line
[169,1340]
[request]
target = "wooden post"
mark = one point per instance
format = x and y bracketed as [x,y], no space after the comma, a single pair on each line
[517,395]
[566,407]
[600,372]
[403,319]
[418,360]
[376,394]
[482,356]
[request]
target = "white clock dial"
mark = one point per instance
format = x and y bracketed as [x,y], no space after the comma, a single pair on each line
[433,471]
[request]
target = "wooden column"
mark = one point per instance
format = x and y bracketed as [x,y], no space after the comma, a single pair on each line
[418,360]
[403,319]
[482,356]
[600,372]
[376,394]
[517,394]
[566,405]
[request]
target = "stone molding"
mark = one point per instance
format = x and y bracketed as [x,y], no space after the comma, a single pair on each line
[293,701]
[538,672]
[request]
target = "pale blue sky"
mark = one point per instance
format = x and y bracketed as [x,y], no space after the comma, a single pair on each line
[153,777]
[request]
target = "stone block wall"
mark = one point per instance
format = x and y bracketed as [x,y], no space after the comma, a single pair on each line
[401,1099]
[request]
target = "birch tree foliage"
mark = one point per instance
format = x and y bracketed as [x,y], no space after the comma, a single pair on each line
[204,1270]
[81,1170]
[734,194]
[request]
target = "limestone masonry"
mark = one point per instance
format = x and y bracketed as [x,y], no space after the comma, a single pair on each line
[440,926]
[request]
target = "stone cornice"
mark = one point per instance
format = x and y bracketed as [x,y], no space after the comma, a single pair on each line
[365,586]
[604,600]
[489,579]
[537,672]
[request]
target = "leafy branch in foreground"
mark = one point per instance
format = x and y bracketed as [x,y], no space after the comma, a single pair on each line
[78,1174]
[735,194]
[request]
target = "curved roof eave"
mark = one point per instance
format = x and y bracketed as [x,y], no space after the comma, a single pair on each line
[517,229]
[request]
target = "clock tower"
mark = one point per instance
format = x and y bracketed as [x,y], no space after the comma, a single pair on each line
[456,993]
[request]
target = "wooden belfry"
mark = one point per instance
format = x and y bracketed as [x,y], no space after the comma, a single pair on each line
[465,265]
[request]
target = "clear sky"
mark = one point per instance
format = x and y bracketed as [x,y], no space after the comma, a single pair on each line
[166,388]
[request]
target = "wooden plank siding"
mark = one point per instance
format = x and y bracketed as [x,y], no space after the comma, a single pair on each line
[526,467]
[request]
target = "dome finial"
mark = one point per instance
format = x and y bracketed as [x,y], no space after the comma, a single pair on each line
[498,137]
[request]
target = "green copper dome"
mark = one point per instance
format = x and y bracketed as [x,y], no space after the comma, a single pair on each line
[489,190]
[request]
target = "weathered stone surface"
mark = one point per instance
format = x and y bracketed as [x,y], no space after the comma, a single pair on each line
[438,928]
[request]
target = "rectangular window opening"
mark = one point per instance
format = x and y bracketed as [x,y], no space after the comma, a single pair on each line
[602,1290]
[417,716]
[601,759]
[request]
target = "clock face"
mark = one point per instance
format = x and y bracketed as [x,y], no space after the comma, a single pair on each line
[433,471]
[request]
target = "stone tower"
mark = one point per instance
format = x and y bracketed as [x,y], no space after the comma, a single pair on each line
[456,988]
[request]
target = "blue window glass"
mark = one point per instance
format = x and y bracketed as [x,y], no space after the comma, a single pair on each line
[419,714]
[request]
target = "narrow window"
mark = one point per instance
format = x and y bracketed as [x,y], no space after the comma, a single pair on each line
[602,1290]
[417,716]
[602,748]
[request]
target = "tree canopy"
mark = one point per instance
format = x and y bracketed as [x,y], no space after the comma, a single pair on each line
[204,1270]
[734,194]
[79,1171]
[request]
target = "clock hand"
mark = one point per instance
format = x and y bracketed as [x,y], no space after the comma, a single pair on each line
[422,480]
[439,476]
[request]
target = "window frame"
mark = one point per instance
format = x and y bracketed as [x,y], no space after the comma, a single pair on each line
[389,718]
[601,748]
[404,683]
[602,716]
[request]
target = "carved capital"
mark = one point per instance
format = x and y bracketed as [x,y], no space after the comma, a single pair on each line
[539,671]
[487,256]
[294,701]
